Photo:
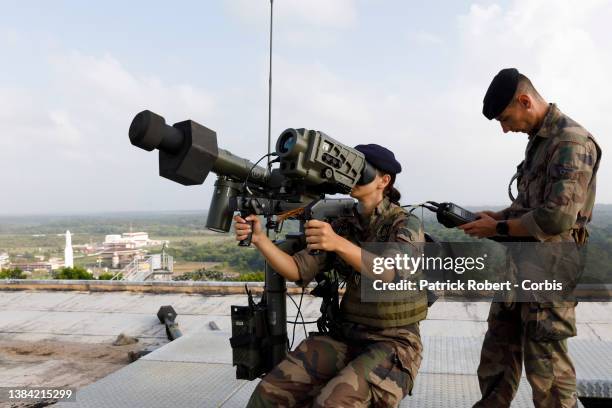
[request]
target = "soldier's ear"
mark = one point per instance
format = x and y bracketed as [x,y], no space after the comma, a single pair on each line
[385,180]
[525,101]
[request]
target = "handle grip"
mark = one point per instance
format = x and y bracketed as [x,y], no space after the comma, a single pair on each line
[247,241]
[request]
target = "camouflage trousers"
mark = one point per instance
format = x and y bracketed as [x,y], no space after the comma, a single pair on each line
[536,335]
[325,372]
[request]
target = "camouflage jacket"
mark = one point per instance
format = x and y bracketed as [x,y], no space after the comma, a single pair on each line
[556,181]
[388,223]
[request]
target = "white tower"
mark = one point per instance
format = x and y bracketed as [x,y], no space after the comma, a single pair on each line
[68,254]
[115,260]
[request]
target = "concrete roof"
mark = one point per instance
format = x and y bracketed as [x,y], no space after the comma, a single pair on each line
[101,316]
[197,367]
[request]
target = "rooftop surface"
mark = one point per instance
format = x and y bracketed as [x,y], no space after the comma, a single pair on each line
[196,370]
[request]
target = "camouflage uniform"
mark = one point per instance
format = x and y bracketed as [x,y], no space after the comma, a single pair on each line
[556,185]
[371,359]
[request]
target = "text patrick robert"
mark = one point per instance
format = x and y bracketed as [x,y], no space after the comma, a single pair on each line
[459,265]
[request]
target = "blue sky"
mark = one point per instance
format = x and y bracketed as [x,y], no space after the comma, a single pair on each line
[409,75]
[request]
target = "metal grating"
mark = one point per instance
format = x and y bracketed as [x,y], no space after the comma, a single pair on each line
[444,391]
[195,371]
[156,384]
[593,361]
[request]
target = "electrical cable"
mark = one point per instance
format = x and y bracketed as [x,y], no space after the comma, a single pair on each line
[298,314]
[246,180]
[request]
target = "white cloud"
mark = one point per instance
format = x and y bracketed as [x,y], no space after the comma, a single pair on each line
[450,151]
[337,13]
[353,112]
[74,132]
[312,24]
[321,13]
[559,46]
[65,136]
[73,127]
[8,37]
[426,38]
[311,93]
[111,90]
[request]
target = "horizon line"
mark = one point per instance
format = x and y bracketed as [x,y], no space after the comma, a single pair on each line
[173,211]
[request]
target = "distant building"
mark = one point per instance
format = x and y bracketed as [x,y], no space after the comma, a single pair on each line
[4,260]
[117,251]
[118,246]
[118,258]
[55,263]
[129,240]
[86,249]
[32,266]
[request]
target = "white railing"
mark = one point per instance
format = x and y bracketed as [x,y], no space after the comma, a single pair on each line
[141,269]
[127,270]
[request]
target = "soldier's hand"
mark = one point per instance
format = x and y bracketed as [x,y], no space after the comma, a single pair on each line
[493,214]
[243,228]
[484,227]
[320,235]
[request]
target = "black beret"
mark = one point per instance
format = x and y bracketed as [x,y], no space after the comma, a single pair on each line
[500,92]
[381,158]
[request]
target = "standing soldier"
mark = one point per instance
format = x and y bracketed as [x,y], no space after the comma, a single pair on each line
[372,350]
[556,194]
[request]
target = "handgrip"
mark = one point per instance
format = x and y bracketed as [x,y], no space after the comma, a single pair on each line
[247,241]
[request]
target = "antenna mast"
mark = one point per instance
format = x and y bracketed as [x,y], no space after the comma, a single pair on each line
[270,86]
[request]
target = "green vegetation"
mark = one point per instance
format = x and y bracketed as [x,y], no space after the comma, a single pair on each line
[201,275]
[109,276]
[216,275]
[77,272]
[185,223]
[228,253]
[252,277]
[15,273]
[27,237]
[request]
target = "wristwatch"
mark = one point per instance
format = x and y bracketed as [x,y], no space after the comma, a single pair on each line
[502,228]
